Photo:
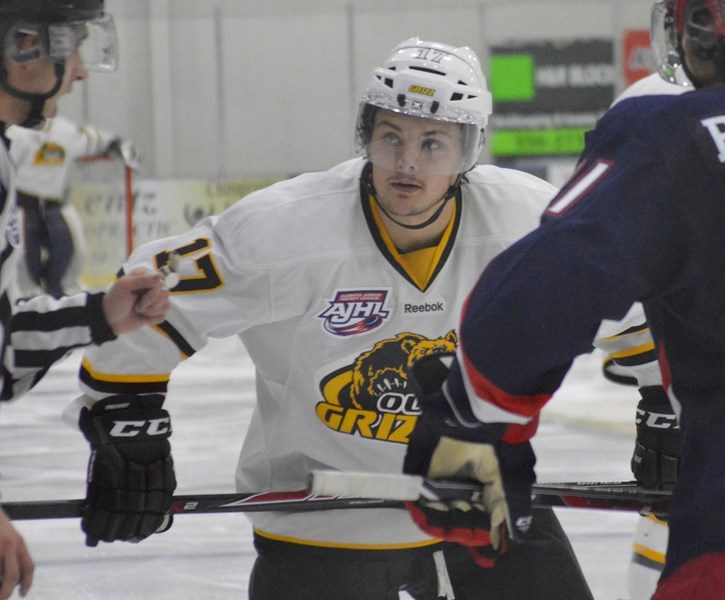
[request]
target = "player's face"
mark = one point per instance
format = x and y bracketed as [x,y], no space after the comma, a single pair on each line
[414,145]
[415,161]
[74,71]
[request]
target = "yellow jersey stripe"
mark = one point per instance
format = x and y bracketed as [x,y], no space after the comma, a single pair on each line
[344,546]
[126,377]
[649,347]
[648,553]
[420,265]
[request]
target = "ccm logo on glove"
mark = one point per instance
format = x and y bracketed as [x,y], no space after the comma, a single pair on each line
[130,481]
[134,428]
[656,420]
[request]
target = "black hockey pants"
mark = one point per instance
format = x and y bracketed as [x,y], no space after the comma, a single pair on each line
[543,568]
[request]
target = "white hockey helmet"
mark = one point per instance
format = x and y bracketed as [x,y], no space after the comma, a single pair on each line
[430,80]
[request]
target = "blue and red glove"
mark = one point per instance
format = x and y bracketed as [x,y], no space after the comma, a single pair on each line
[443,446]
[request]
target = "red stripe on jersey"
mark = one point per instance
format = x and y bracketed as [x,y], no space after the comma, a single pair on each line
[664,366]
[518,434]
[488,392]
[702,578]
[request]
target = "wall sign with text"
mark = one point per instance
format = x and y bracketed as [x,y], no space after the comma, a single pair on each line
[547,95]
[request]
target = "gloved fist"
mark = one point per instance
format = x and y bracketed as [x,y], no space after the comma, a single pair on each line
[656,457]
[130,478]
[442,447]
[127,151]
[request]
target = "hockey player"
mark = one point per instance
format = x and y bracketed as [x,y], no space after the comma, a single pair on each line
[641,220]
[632,360]
[335,282]
[655,462]
[52,232]
[41,40]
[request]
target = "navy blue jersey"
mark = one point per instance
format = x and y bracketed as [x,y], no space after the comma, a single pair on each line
[642,219]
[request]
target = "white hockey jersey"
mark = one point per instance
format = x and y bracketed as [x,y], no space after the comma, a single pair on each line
[331,317]
[45,156]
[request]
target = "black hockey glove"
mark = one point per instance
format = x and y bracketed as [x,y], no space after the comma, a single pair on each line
[656,455]
[442,447]
[130,478]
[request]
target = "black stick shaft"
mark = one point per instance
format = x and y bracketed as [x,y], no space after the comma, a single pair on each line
[625,496]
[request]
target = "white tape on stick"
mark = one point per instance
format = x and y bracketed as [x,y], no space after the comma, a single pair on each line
[386,486]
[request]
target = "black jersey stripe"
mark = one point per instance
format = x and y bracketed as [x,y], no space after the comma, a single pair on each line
[122,387]
[646,562]
[33,359]
[75,316]
[184,347]
[634,329]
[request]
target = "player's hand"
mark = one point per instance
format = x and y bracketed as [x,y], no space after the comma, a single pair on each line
[127,151]
[16,566]
[130,478]
[441,447]
[135,300]
[656,456]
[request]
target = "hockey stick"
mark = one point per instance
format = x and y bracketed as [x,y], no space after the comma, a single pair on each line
[626,496]
[204,504]
[611,495]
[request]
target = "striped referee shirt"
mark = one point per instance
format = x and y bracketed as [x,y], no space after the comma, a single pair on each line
[37,332]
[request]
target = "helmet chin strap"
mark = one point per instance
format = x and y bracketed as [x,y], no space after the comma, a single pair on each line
[432,219]
[450,193]
[36,101]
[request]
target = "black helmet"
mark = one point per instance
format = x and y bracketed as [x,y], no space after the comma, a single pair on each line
[52,11]
[62,28]
[58,23]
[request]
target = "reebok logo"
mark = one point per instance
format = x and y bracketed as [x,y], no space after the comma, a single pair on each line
[427,307]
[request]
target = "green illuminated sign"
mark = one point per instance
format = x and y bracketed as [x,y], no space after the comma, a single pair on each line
[512,78]
[547,94]
[538,142]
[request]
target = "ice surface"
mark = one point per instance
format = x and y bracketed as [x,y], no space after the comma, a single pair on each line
[586,434]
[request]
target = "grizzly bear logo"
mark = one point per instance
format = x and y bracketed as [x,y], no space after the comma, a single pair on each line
[383,370]
[371,398]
